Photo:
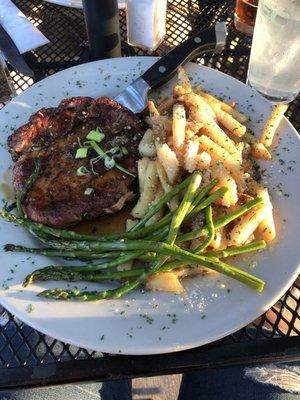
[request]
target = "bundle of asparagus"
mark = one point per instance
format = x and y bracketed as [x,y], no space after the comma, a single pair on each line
[158,244]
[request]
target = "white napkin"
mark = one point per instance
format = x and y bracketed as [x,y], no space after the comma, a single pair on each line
[25,35]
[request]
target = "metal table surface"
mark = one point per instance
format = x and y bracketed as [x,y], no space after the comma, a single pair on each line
[29,358]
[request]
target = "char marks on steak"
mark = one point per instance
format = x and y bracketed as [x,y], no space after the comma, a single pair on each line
[57,197]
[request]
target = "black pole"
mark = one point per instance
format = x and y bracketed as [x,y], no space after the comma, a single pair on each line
[103,28]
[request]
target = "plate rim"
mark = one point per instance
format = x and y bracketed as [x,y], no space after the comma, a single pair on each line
[165,348]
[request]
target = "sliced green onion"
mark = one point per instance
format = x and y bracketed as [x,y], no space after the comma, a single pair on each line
[82,171]
[95,135]
[81,152]
[124,150]
[114,150]
[109,162]
[102,154]
[88,191]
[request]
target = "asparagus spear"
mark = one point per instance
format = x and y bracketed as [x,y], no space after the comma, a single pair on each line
[86,246]
[223,221]
[77,254]
[177,219]
[124,244]
[209,200]
[82,268]
[63,274]
[174,251]
[210,230]
[27,185]
[215,264]
[184,207]
[72,276]
[234,251]
[41,230]
[231,251]
[154,208]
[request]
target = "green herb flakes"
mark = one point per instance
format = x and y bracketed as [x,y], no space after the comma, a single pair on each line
[29,308]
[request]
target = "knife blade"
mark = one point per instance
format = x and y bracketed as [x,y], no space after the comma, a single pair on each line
[135,96]
[12,54]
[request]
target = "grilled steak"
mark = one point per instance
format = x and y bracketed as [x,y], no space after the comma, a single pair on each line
[59,197]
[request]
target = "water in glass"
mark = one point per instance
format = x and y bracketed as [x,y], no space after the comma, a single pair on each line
[275,56]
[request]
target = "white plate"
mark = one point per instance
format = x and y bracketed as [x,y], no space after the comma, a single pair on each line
[145,323]
[78,3]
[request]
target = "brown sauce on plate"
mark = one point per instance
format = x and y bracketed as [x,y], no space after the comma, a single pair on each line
[6,187]
[110,223]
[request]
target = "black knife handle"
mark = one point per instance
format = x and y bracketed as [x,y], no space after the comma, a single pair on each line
[212,39]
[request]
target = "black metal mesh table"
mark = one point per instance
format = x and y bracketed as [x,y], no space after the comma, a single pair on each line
[28,357]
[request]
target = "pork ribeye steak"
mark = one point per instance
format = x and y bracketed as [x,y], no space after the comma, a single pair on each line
[59,197]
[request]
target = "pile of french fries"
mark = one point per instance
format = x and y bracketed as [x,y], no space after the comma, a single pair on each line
[193,130]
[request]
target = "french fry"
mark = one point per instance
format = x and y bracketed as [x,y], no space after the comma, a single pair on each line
[146,145]
[218,153]
[169,161]
[228,108]
[192,128]
[190,156]
[156,217]
[179,123]
[148,193]
[203,161]
[266,229]
[199,109]
[174,202]
[272,124]
[164,282]
[219,172]
[227,120]
[142,168]
[161,126]
[184,85]
[260,151]
[247,225]
[152,108]
[214,132]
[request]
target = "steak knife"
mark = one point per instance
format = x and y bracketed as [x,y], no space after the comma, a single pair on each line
[135,96]
[12,54]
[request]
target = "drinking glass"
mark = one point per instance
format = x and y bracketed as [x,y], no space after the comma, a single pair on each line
[244,16]
[275,55]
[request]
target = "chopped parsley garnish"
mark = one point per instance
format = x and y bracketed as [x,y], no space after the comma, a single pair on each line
[29,308]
